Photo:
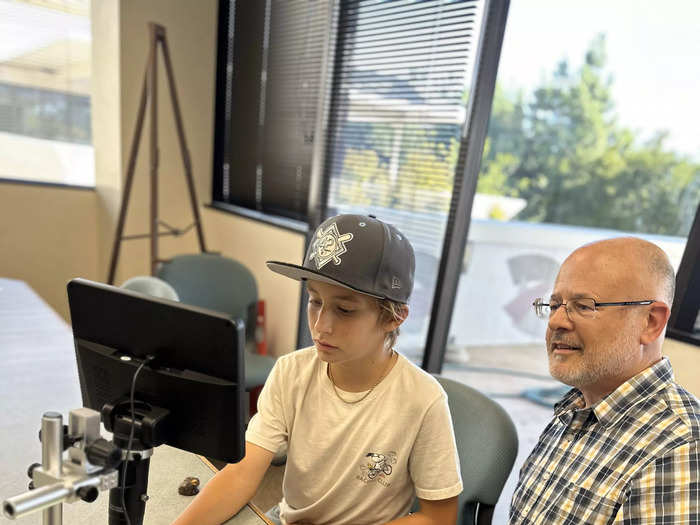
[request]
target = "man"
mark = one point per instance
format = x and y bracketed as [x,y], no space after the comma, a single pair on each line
[624,443]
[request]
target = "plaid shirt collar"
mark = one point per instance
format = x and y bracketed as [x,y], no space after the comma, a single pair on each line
[612,407]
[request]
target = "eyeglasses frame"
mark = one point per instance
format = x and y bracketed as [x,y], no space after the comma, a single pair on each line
[538,304]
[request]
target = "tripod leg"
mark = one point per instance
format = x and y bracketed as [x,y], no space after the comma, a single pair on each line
[131,166]
[183,145]
[153,95]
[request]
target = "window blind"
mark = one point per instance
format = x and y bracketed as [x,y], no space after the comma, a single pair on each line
[294,69]
[277,70]
[397,111]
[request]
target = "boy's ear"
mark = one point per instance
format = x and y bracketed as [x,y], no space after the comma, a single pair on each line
[395,323]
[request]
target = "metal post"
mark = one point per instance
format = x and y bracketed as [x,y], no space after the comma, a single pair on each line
[183,144]
[52,459]
[131,166]
[153,96]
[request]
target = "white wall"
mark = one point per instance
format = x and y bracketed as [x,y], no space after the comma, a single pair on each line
[47,237]
[685,359]
[253,243]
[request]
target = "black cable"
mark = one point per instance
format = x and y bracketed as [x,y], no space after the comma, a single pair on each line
[147,360]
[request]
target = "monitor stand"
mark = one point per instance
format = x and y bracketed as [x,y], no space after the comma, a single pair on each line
[146,424]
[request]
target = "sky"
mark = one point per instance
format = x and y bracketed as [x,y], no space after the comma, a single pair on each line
[49,25]
[653,55]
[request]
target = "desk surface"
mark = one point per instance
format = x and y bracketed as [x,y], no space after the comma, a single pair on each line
[38,375]
[169,466]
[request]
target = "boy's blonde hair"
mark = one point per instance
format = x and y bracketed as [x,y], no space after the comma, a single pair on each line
[391,311]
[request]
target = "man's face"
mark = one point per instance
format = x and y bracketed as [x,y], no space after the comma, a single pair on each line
[600,353]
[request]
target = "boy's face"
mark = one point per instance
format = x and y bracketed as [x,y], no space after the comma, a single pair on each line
[344,324]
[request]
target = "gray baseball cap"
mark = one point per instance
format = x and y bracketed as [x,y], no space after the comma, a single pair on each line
[358,252]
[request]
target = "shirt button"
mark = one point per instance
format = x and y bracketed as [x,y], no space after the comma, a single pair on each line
[545,475]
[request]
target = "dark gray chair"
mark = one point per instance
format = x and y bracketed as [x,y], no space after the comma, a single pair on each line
[222,284]
[487,443]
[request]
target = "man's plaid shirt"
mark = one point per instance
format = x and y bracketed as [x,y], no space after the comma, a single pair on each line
[633,458]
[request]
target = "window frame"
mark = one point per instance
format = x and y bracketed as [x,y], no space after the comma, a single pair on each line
[686,304]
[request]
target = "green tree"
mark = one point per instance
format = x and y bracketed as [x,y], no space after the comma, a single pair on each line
[404,166]
[504,143]
[364,179]
[568,156]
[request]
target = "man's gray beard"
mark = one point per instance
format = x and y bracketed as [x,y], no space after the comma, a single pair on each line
[606,363]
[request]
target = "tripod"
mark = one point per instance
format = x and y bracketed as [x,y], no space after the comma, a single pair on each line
[150,92]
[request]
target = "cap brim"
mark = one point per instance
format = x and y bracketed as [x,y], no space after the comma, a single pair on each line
[300,273]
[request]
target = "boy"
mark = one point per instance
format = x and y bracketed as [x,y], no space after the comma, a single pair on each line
[366,430]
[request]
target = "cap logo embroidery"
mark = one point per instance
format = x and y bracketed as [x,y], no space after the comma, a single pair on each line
[329,245]
[395,282]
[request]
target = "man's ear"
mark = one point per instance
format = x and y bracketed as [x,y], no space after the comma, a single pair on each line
[656,320]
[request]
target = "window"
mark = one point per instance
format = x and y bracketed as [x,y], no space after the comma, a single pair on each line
[684,323]
[590,137]
[581,146]
[45,128]
[397,113]
[270,73]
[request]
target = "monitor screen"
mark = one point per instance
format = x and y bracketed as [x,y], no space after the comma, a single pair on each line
[197,374]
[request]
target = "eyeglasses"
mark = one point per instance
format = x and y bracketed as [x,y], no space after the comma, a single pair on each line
[583,307]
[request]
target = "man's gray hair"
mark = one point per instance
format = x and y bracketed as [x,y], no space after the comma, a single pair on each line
[660,267]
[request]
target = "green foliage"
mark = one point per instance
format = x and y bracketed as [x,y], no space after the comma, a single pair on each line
[497,213]
[364,179]
[407,168]
[565,153]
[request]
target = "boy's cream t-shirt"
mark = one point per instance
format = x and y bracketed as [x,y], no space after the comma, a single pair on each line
[356,464]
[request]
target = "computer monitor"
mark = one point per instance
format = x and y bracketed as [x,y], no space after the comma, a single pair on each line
[197,375]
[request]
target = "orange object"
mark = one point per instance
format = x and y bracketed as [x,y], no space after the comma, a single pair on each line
[260,341]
